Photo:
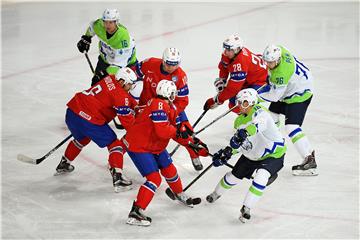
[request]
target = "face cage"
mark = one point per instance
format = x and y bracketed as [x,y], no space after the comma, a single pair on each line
[172,96]
[132,84]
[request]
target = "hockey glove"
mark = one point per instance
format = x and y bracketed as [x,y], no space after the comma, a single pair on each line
[211,103]
[238,138]
[222,156]
[219,84]
[84,44]
[199,147]
[183,131]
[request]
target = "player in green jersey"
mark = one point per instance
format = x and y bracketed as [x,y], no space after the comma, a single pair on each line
[116,46]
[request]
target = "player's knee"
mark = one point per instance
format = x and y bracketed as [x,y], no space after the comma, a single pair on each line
[169,171]
[261,177]
[115,146]
[82,143]
[231,179]
[154,180]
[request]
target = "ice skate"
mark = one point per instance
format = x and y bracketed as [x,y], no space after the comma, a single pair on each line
[64,167]
[307,168]
[137,217]
[244,214]
[120,182]
[212,197]
[197,164]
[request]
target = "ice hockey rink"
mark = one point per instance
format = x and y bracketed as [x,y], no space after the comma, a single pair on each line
[42,69]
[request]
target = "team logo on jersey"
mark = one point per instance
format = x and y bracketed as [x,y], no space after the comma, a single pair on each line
[174,78]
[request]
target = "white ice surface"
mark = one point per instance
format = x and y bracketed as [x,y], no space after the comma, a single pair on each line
[42,69]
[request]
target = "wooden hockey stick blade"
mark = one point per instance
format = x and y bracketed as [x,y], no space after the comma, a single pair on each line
[26,159]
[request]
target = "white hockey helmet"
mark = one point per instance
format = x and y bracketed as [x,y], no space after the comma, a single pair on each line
[111,15]
[127,75]
[248,94]
[166,89]
[233,42]
[272,53]
[171,56]
[136,90]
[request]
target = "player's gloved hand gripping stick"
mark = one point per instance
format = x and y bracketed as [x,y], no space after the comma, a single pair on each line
[197,121]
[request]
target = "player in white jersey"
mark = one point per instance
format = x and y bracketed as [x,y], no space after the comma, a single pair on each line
[262,147]
[290,91]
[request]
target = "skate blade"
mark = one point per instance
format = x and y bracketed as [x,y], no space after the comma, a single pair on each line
[187,205]
[309,172]
[134,221]
[122,189]
[61,173]
[243,220]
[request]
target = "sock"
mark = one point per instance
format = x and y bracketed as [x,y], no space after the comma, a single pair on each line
[116,154]
[299,139]
[147,190]
[227,182]
[172,178]
[74,148]
[257,188]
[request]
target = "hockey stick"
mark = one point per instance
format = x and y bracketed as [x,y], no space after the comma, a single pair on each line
[195,201]
[117,125]
[196,122]
[89,62]
[27,159]
[215,120]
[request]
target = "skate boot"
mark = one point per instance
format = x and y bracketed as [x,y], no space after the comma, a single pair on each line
[244,214]
[212,197]
[186,200]
[120,182]
[197,164]
[64,167]
[137,217]
[307,168]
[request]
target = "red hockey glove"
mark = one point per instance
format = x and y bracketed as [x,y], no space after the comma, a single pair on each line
[199,147]
[211,103]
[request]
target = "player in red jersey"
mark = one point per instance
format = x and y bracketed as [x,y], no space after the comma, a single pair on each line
[146,142]
[87,118]
[152,70]
[239,68]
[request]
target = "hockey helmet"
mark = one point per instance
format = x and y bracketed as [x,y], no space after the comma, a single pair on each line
[171,56]
[249,95]
[233,42]
[272,53]
[166,89]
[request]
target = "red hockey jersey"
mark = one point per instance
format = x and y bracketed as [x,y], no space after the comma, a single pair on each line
[245,69]
[103,101]
[153,128]
[150,70]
